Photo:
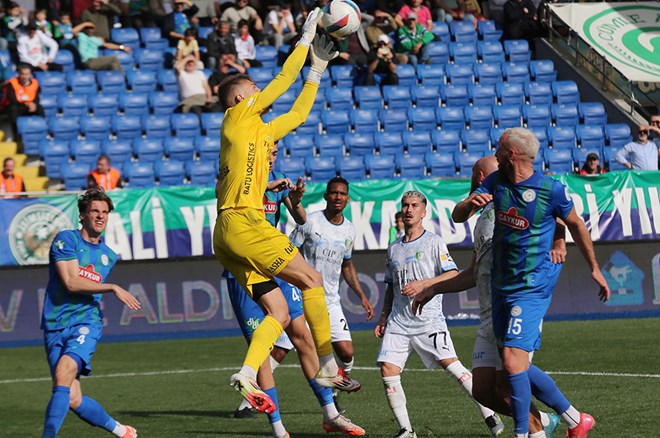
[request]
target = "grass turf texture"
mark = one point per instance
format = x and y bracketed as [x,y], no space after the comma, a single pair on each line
[180,388]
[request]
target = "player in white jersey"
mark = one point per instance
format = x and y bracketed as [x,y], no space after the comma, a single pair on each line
[326,242]
[490,386]
[418,259]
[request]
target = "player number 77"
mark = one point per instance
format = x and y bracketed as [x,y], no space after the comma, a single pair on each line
[434,336]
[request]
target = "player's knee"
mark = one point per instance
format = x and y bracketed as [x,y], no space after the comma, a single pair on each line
[345,354]
[389,370]
[278,354]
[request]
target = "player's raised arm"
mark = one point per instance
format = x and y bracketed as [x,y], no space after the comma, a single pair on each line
[465,209]
[293,202]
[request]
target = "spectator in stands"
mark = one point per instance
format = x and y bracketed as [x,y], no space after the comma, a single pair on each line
[193,87]
[383,24]
[382,60]
[63,31]
[88,46]
[104,175]
[227,67]
[422,13]
[398,229]
[654,128]
[10,181]
[280,28]
[176,22]
[245,46]
[38,49]
[22,96]
[136,14]
[207,14]
[641,154]
[353,50]
[592,165]
[189,46]
[243,12]
[414,41]
[43,24]
[12,23]
[220,44]
[450,10]
[102,13]
[520,20]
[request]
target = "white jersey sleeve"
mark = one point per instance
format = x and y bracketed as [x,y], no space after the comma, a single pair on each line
[483,244]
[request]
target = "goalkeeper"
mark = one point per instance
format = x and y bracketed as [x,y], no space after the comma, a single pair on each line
[243,241]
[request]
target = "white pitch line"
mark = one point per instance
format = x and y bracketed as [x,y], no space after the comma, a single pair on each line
[213,370]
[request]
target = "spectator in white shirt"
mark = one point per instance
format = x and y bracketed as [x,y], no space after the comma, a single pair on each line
[194,88]
[641,154]
[280,27]
[245,47]
[38,49]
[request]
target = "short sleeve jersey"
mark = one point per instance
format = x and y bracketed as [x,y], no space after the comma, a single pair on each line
[61,308]
[325,246]
[525,221]
[483,249]
[423,258]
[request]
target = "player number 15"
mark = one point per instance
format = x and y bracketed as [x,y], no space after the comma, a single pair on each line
[515,326]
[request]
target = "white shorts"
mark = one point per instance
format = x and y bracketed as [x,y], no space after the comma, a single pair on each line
[339,330]
[485,353]
[431,348]
[284,342]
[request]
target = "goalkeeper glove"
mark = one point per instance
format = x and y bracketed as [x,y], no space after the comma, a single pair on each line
[309,28]
[321,53]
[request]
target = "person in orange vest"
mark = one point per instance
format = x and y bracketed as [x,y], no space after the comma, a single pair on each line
[104,175]
[10,182]
[22,96]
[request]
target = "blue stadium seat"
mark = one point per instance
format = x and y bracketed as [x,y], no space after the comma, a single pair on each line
[320,102]
[580,155]
[329,144]
[422,118]
[368,97]
[451,117]
[351,168]
[566,92]
[440,164]
[417,142]
[454,95]
[439,52]
[536,115]
[411,166]
[565,114]
[393,119]
[311,125]
[300,146]
[541,134]
[430,74]
[49,104]
[134,104]
[163,102]
[167,80]
[267,55]
[125,59]
[65,58]
[476,140]
[339,98]
[507,116]
[261,75]
[201,173]
[592,113]
[559,161]
[479,117]
[609,153]
[407,74]
[85,151]
[148,149]
[54,153]
[459,73]
[515,72]
[74,175]
[95,127]
[170,173]
[465,161]
[561,137]
[140,174]
[7,67]
[441,30]
[207,148]
[103,104]
[464,52]
[335,122]
[446,140]
[539,162]
[510,93]
[127,36]
[543,70]
[152,39]
[141,81]
[73,105]
[126,126]
[490,51]
[211,123]
[119,151]
[111,81]
[293,167]
[150,59]
[359,144]
[488,72]
[181,149]
[380,166]
[590,136]
[156,126]
[32,129]
[488,30]
[185,125]
[397,96]
[538,93]
[495,134]
[284,103]
[482,94]
[342,75]
[617,134]
[517,50]
[389,143]
[321,169]
[463,31]
[326,80]
[364,120]
[64,128]
[425,95]
[204,32]
[51,82]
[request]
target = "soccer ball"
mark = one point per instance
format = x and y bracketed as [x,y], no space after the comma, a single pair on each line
[341,18]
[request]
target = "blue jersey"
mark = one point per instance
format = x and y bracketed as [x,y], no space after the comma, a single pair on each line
[273,200]
[525,224]
[61,308]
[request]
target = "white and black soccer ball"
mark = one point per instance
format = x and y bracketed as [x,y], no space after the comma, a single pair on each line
[341,18]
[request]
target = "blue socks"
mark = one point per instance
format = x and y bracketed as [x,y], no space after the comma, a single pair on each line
[58,406]
[545,389]
[93,413]
[521,398]
[323,394]
[275,416]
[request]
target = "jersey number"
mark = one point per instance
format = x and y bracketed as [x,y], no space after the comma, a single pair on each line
[295,295]
[81,339]
[514,326]
[345,324]
[434,336]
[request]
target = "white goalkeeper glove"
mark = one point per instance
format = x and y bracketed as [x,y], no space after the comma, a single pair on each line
[320,54]
[309,28]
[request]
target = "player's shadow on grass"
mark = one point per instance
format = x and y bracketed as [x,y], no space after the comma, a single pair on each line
[188,413]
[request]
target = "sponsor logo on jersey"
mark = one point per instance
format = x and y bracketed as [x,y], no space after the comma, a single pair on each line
[253,323]
[516,311]
[89,273]
[250,102]
[529,195]
[511,219]
[249,169]
[270,206]
[33,229]
[276,264]
[419,255]
[59,244]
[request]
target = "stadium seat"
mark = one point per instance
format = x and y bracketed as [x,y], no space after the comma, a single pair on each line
[140,174]
[111,81]
[185,125]
[515,72]
[440,164]
[441,30]
[476,140]
[261,75]
[464,52]
[335,122]
[430,74]
[127,36]
[211,123]
[207,148]
[201,173]
[74,175]
[479,117]
[538,93]
[397,96]
[49,104]
[321,169]
[510,93]
[609,153]
[488,73]
[393,119]
[125,59]
[329,144]
[565,92]
[181,149]
[150,59]
[495,134]
[407,75]
[51,82]
[465,161]
[389,143]
[326,80]
[422,118]
[95,127]
[32,129]
[156,126]
[380,166]
[417,142]
[617,134]
[73,105]
[580,156]
[359,144]
[54,153]
[592,113]
[284,103]
[148,149]
[411,166]
[451,117]
[204,32]
[564,114]
[364,120]
[141,81]
[590,136]
[119,151]
[490,51]
[454,95]
[463,31]
[300,146]
[488,30]
[536,115]
[351,168]
[169,173]
[507,116]
[339,99]
[311,125]
[439,52]
[543,70]
[126,126]
[559,161]
[459,73]
[167,80]
[427,96]
[134,104]
[517,50]
[151,38]
[267,55]
[103,104]
[446,140]
[541,134]
[163,102]
[65,58]
[482,94]
[85,151]
[561,137]
[539,162]
[63,128]
[342,75]
[368,97]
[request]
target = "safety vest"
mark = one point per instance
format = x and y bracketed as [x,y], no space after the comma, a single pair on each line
[24,94]
[108,180]
[11,185]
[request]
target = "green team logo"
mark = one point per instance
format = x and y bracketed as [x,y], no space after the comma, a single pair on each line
[419,255]
[628,34]
[33,229]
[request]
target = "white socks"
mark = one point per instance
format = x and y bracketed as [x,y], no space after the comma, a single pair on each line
[278,428]
[397,400]
[347,367]
[273,363]
[464,378]
[119,430]
[545,420]
[328,365]
[571,417]
[329,411]
[248,372]
[540,434]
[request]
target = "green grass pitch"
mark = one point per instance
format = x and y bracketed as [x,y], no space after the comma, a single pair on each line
[165,389]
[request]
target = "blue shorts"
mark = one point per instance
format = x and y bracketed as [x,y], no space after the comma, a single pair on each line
[79,340]
[517,318]
[247,311]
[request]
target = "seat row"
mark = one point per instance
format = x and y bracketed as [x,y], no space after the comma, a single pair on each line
[88,82]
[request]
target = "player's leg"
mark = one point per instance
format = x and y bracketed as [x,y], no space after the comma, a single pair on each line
[65,372]
[392,357]
[342,343]
[91,412]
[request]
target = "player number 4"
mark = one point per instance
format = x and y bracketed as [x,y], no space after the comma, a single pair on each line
[81,339]
[515,326]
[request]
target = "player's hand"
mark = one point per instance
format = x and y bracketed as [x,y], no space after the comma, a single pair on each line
[421,300]
[480,200]
[366,305]
[413,288]
[558,255]
[604,292]
[127,298]
[379,331]
[320,54]
[279,185]
[309,27]
[296,192]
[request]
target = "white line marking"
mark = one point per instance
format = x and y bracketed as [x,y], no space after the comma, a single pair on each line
[213,370]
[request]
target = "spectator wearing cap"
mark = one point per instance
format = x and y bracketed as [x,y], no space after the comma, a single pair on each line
[414,41]
[383,60]
[422,14]
[88,46]
[38,49]
[641,154]
[592,165]
[193,87]
[176,22]
[10,181]
[102,13]
[22,96]
[104,175]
